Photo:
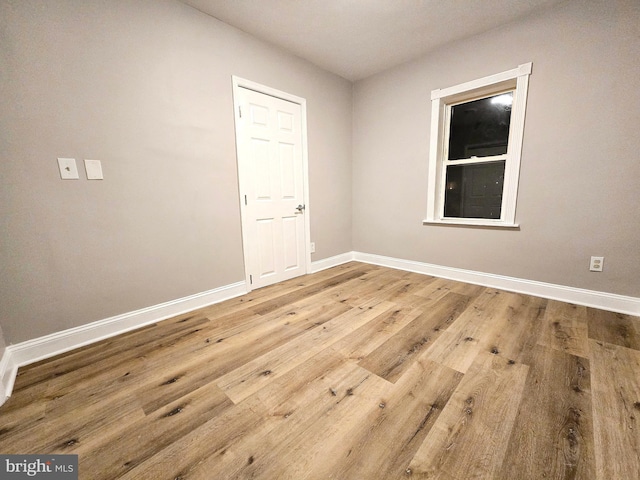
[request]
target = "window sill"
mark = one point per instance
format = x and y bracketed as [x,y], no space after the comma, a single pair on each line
[472,223]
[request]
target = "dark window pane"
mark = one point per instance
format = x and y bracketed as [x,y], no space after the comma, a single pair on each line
[480,128]
[474,190]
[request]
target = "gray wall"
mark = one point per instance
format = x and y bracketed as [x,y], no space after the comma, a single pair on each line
[145,87]
[3,344]
[580,176]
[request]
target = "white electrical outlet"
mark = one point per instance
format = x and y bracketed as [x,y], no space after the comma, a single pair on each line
[597,264]
[313,247]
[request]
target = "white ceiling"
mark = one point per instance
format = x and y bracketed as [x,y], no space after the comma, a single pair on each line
[357,38]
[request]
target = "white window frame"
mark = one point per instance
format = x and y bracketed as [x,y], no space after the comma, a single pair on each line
[516,80]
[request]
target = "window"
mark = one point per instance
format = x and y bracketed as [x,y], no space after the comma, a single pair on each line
[474,157]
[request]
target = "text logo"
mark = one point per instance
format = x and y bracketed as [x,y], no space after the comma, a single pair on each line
[50,467]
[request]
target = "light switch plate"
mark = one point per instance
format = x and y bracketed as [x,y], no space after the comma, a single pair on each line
[68,168]
[94,169]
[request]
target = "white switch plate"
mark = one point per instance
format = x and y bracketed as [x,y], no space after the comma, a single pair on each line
[597,264]
[313,247]
[94,169]
[68,168]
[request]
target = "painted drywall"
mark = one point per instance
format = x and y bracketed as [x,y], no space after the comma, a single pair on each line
[580,172]
[146,88]
[3,346]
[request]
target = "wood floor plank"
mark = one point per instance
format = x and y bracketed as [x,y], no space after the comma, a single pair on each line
[489,305]
[406,286]
[431,291]
[110,351]
[220,358]
[253,375]
[122,446]
[261,295]
[470,437]
[391,359]
[288,406]
[456,350]
[22,410]
[207,441]
[436,288]
[615,383]
[458,346]
[119,382]
[564,327]
[306,451]
[323,375]
[362,341]
[384,443]
[157,380]
[123,380]
[616,328]
[371,285]
[439,286]
[305,292]
[294,439]
[513,332]
[60,432]
[118,368]
[552,437]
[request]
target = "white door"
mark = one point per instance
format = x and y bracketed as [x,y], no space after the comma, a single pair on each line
[269,137]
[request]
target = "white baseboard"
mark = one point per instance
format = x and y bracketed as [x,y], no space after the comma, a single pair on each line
[579,296]
[37,349]
[331,262]
[7,375]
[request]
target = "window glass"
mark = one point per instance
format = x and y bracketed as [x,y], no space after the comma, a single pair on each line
[474,190]
[480,128]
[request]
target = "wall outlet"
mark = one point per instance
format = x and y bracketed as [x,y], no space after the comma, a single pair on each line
[313,247]
[597,264]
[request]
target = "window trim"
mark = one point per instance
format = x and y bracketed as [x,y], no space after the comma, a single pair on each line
[516,79]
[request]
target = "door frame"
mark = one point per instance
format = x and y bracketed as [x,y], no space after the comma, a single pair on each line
[239,83]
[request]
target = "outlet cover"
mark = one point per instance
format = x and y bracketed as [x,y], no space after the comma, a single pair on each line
[597,264]
[68,168]
[94,169]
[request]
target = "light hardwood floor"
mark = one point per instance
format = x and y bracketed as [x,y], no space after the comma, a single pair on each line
[356,372]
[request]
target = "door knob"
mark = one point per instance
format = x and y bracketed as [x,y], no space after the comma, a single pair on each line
[300,208]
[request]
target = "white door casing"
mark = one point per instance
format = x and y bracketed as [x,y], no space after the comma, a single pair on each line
[273,180]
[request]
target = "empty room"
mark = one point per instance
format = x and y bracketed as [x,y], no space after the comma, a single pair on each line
[350,239]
